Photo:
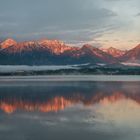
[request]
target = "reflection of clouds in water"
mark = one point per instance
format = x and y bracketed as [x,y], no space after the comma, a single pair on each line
[110,112]
[70,118]
[106,117]
[132,88]
[4,127]
[120,117]
[106,109]
[38,118]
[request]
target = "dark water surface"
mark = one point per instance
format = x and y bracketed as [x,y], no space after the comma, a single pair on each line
[70,111]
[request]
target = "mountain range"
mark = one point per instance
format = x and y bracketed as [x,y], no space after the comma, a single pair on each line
[54,52]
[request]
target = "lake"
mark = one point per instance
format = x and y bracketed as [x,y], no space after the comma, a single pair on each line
[69,109]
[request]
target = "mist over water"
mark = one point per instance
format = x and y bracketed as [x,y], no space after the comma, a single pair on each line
[70,110]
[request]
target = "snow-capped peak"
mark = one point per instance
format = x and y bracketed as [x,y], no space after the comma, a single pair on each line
[7,43]
[113,51]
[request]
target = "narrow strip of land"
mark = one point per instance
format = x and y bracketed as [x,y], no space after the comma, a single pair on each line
[69,78]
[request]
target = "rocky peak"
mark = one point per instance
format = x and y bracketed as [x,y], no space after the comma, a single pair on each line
[113,51]
[137,47]
[87,46]
[55,46]
[7,43]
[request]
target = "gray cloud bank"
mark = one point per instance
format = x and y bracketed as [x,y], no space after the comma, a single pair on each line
[68,20]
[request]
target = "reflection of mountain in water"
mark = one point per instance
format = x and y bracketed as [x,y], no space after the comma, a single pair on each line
[52,98]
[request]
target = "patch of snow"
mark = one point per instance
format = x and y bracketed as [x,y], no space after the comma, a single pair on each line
[76,65]
[101,64]
[131,64]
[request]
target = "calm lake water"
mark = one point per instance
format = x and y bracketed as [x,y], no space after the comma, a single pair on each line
[70,110]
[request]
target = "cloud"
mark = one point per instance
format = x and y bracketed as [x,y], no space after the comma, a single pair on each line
[67,16]
[68,20]
[138,14]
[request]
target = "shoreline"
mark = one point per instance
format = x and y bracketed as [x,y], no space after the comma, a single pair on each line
[71,78]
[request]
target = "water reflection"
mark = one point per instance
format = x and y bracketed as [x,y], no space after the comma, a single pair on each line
[56,103]
[53,98]
[100,110]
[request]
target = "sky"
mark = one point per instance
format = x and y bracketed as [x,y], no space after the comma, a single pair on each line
[102,23]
